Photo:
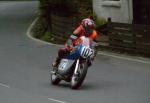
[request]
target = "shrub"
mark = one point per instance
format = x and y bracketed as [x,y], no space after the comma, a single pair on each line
[99,21]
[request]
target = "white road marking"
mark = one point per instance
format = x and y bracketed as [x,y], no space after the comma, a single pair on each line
[125,58]
[101,53]
[56,100]
[4,85]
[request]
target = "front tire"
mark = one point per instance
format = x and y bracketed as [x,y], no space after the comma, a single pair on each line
[77,80]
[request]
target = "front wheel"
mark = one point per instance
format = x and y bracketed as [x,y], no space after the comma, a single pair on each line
[54,78]
[77,79]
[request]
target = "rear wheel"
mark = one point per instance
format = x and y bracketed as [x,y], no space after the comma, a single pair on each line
[77,79]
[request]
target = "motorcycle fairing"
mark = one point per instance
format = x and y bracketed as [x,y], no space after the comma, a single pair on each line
[64,66]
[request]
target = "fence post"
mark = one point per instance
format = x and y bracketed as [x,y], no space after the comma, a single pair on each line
[109,24]
[109,28]
[134,37]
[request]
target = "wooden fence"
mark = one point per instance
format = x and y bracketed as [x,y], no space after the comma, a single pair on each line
[62,26]
[142,38]
[131,37]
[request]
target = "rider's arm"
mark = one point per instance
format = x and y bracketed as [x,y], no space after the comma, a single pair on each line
[74,36]
[97,37]
[78,30]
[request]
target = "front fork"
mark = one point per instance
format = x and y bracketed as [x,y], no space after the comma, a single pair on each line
[76,67]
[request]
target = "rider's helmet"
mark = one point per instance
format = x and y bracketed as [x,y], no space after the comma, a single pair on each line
[88,25]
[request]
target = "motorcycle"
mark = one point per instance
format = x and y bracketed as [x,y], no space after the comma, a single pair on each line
[73,67]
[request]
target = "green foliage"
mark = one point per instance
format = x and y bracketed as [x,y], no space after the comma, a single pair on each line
[39,28]
[77,9]
[46,37]
[49,37]
[73,8]
[83,8]
[99,21]
[40,31]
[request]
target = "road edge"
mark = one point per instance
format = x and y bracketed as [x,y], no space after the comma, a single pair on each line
[29,35]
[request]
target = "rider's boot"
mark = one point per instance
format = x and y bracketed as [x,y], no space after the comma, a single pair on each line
[56,63]
[89,63]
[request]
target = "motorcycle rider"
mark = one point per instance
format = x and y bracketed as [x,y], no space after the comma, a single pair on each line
[86,28]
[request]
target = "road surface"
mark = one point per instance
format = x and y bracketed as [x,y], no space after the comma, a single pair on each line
[24,71]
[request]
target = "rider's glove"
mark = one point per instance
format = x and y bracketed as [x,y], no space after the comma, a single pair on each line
[69,41]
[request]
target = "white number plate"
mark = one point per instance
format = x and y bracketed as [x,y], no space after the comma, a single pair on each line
[87,52]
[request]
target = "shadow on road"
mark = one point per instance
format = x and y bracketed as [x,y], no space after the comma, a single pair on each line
[83,87]
[93,86]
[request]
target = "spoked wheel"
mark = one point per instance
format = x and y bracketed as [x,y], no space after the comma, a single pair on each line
[77,79]
[54,78]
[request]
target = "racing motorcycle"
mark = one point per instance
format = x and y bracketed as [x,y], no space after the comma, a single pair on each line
[73,67]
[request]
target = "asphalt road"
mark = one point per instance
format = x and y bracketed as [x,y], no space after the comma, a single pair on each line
[24,72]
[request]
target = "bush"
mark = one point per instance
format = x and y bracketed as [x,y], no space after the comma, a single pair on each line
[39,28]
[49,37]
[46,37]
[99,22]
[78,9]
